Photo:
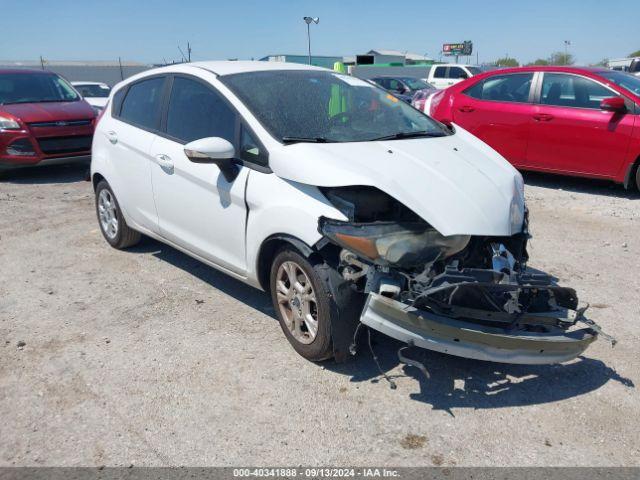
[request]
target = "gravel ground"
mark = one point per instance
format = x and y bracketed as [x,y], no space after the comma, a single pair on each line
[147,357]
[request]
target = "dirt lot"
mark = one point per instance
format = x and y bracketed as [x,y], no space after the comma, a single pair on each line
[147,357]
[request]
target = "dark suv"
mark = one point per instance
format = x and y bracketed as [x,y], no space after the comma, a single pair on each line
[43,120]
[403,87]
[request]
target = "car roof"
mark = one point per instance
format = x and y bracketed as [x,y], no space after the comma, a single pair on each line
[549,68]
[241,66]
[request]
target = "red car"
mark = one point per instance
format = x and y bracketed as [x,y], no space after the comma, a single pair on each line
[43,120]
[567,120]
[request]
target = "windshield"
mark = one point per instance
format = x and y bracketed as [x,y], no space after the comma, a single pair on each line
[35,88]
[326,107]
[93,91]
[415,83]
[625,80]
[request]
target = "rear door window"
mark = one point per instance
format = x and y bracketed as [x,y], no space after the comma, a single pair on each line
[196,111]
[503,88]
[441,72]
[141,105]
[564,90]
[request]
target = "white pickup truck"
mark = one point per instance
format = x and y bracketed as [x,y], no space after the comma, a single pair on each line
[445,75]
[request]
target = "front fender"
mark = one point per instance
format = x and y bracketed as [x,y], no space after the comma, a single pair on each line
[282,207]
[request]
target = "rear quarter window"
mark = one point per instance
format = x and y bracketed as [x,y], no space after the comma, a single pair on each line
[141,105]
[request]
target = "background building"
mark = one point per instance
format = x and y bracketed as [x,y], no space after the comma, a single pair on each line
[107,72]
[317,60]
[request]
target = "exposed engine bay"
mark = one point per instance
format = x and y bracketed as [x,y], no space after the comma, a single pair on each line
[466,295]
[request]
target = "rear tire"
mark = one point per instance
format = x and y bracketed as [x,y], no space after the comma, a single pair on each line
[638,177]
[113,226]
[302,302]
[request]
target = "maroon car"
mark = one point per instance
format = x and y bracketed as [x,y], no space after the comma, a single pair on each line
[43,120]
[567,120]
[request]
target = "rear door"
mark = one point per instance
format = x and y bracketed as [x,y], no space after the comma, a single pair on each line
[198,208]
[498,110]
[439,78]
[131,131]
[569,131]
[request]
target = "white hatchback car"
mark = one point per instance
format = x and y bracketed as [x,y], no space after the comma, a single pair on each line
[347,205]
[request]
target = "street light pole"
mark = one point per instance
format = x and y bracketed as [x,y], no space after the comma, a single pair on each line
[308,21]
[566,51]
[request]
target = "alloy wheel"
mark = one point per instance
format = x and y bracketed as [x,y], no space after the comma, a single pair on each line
[108,213]
[297,302]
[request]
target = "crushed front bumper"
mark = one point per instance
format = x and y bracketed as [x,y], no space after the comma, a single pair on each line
[465,339]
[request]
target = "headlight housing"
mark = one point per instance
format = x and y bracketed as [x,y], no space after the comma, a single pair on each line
[517,207]
[404,245]
[7,123]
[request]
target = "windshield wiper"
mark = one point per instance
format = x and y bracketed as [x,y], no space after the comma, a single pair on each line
[287,139]
[403,135]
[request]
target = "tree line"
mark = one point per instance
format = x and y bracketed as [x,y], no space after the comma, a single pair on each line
[556,58]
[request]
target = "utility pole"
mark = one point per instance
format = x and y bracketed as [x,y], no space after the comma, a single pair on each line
[184,59]
[121,72]
[189,52]
[41,62]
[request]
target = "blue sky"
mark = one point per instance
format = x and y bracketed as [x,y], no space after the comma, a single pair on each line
[149,30]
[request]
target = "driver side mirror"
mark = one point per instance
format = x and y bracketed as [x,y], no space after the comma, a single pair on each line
[613,104]
[214,150]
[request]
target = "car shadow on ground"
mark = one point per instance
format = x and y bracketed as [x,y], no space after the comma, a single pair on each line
[578,185]
[218,280]
[46,175]
[453,382]
[456,382]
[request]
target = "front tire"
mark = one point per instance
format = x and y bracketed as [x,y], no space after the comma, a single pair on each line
[301,299]
[113,226]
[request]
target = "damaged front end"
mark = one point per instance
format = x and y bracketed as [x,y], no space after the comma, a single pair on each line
[465,295]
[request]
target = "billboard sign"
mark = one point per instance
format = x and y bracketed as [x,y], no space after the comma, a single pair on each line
[464,48]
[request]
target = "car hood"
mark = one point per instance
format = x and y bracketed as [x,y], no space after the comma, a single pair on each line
[456,183]
[49,111]
[97,101]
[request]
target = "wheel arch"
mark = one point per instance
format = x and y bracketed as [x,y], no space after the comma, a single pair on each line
[630,177]
[268,250]
[96,179]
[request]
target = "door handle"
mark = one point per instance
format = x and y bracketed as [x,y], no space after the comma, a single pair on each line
[165,162]
[543,117]
[466,109]
[112,136]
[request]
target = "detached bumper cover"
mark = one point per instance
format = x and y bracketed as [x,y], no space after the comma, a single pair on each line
[465,339]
